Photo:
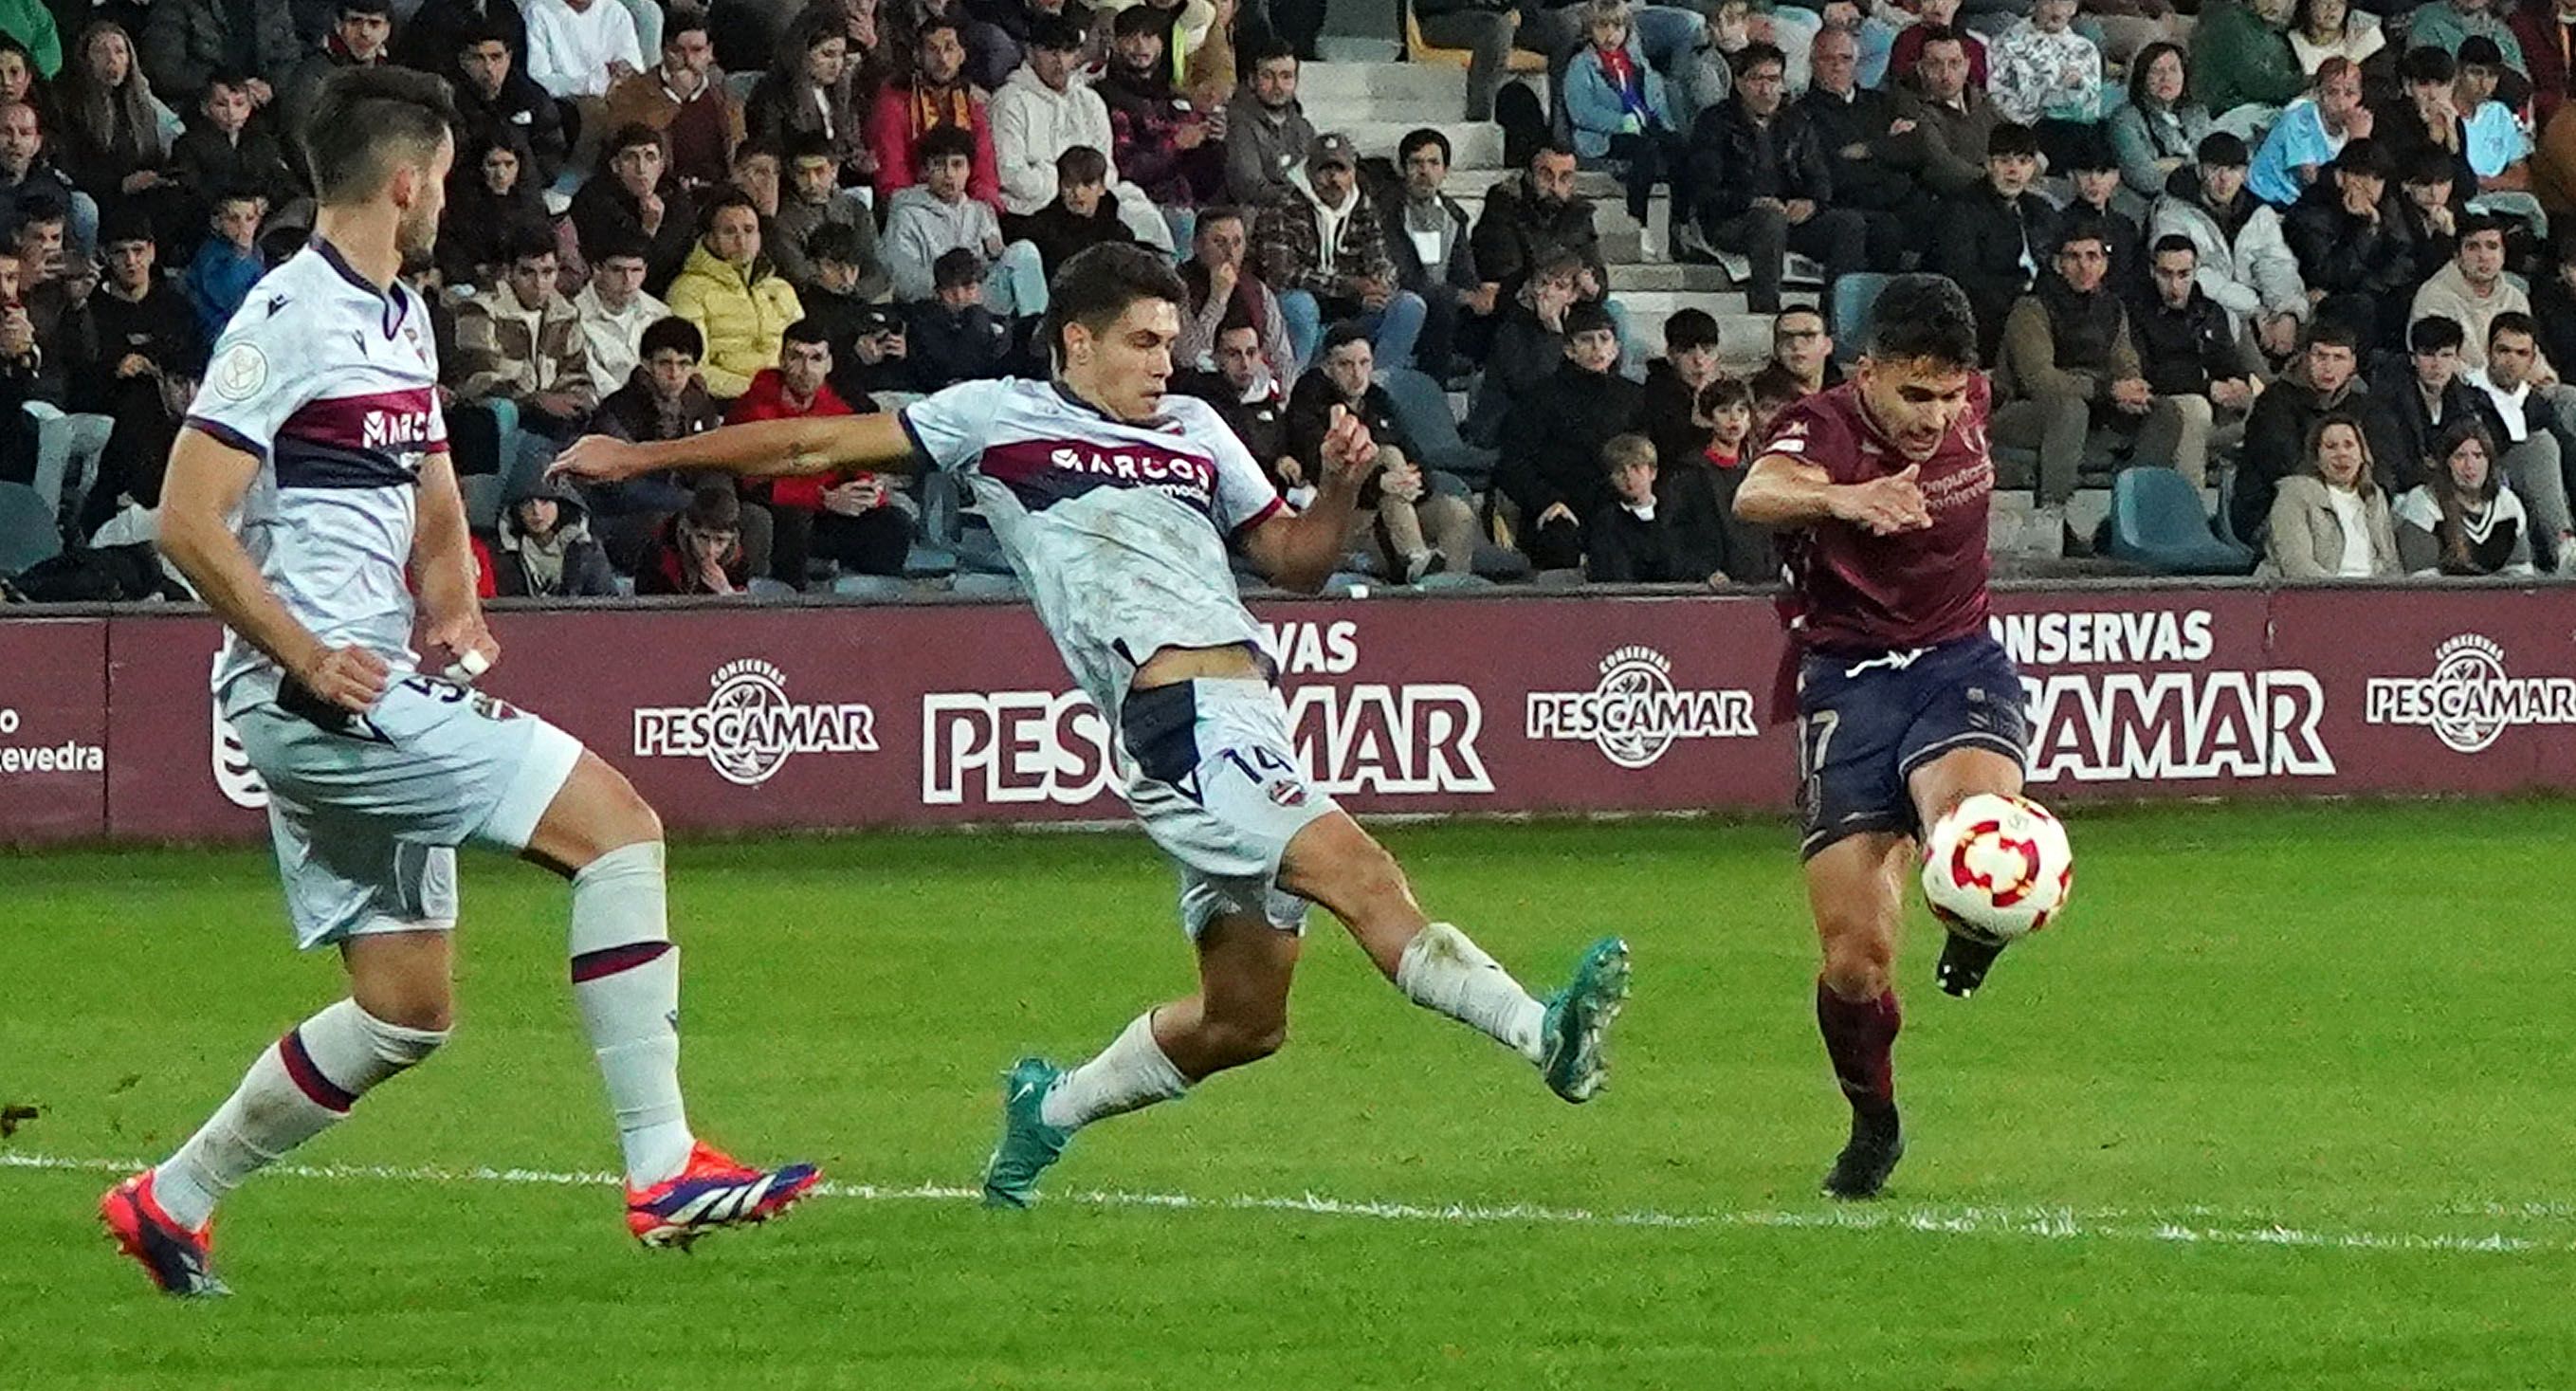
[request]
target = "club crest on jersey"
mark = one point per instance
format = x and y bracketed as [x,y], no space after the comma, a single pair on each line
[239,373]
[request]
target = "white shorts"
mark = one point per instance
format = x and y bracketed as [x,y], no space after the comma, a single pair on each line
[367,811]
[1218,787]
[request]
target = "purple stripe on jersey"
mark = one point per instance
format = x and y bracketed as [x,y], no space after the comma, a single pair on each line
[304,464]
[593,965]
[383,420]
[1044,472]
[227,436]
[1269,510]
[321,1090]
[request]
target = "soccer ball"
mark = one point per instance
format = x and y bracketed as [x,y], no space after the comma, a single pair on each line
[1997,868]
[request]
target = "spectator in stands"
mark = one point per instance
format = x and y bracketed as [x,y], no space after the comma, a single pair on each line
[2330,520]
[2546,30]
[111,142]
[2352,254]
[1407,528]
[137,456]
[2191,352]
[50,283]
[2473,288]
[2424,118]
[1931,18]
[635,199]
[1528,348]
[2447,24]
[1428,244]
[1267,135]
[20,361]
[184,41]
[953,337]
[662,400]
[2461,520]
[2310,134]
[1533,217]
[1861,136]
[2245,264]
[226,149]
[227,263]
[1763,184]
[1320,247]
[578,48]
[1040,113]
[2533,431]
[1083,214]
[684,98]
[30,27]
[811,200]
[545,549]
[2241,58]
[2411,400]
[1248,397]
[1673,384]
[1802,352]
[810,90]
[1994,239]
[1622,117]
[1952,122]
[939,98]
[2493,138]
[733,295]
[2070,366]
[491,211]
[493,97]
[2158,131]
[1160,141]
[1489,30]
[136,330]
[1220,290]
[755,171]
[522,342]
[1552,438]
[2048,77]
[2322,31]
[359,38]
[1630,538]
[869,346]
[2326,380]
[856,519]
[699,550]
[615,312]
[937,216]
[2094,169]
[435,32]
[26,172]
[1699,487]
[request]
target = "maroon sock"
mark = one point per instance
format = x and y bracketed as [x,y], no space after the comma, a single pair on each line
[1858,1037]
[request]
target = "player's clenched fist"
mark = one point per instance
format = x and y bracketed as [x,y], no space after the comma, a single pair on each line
[351,678]
[1349,453]
[593,456]
[1885,506]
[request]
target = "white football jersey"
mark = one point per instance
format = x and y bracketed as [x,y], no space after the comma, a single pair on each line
[1118,531]
[334,386]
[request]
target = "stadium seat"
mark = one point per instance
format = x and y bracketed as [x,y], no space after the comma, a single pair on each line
[928,562]
[763,587]
[868,587]
[1499,563]
[988,587]
[482,499]
[1421,50]
[27,534]
[2156,521]
[1855,295]
[1422,408]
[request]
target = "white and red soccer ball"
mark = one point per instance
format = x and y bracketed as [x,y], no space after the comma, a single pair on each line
[1997,868]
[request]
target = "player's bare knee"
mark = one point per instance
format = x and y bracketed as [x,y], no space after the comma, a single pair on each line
[1237,1041]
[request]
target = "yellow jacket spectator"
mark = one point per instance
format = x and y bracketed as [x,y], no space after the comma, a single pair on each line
[737,301]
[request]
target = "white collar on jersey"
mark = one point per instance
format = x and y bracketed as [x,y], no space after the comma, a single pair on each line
[397,300]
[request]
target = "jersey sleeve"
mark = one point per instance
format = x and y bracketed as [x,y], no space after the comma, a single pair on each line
[950,428]
[1814,434]
[1245,496]
[259,375]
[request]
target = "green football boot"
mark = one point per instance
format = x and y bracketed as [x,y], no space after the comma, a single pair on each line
[1028,1143]
[1578,1016]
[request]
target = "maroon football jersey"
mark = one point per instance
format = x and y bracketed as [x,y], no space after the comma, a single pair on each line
[1850,591]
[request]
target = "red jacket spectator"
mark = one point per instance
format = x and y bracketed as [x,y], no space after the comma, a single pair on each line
[901,116]
[766,399]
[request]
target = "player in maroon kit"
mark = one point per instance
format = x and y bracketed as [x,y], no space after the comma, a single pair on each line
[1906,705]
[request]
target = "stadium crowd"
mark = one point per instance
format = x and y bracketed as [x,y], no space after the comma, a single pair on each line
[2298,253]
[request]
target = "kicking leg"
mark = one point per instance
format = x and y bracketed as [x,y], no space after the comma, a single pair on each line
[1337,864]
[1855,887]
[1938,787]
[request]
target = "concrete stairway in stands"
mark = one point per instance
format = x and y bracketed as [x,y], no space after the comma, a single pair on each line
[1376,104]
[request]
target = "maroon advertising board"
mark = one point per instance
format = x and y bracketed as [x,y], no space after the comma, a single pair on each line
[742,719]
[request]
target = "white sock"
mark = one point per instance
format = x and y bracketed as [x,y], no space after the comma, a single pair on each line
[302,1085]
[1441,970]
[1130,1074]
[626,979]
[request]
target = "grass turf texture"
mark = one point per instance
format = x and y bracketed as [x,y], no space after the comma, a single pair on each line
[2347,1020]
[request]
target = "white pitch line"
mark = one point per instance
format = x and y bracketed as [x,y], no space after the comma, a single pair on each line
[2182,1227]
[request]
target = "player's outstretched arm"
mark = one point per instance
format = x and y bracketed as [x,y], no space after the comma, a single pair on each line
[1781,491]
[205,483]
[1302,550]
[762,449]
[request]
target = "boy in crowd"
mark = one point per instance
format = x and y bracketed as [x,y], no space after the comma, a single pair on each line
[954,337]
[228,263]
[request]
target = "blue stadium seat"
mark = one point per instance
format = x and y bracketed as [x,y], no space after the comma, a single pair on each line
[482,493]
[1855,295]
[868,587]
[2156,521]
[928,562]
[1422,408]
[27,533]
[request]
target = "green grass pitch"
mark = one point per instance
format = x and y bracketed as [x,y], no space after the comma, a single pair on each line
[2284,1103]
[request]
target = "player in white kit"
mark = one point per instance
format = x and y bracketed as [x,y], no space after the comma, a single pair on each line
[312,470]
[1115,505]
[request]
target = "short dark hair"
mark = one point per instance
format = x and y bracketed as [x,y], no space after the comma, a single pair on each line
[1581,318]
[1923,318]
[40,204]
[2424,65]
[366,122]
[1413,139]
[614,245]
[1722,391]
[525,243]
[1756,53]
[1688,329]
[955,267]
[124,223]
[1055,34]
[1270,48]
[838,242]
[2011,138]
[1773,384]
[1941,33]
[634,135]
[377,8]
[1081,164]
[751,149]
[714,507]
[2084,227]
[2513,321]
[2223,148]
[682,19]
[2431,165]
[809,144]
[717,201]
[2330,331]
[2479,51]
[671,335]
[2434,332]
[808,331]
[479,32]
[930,25]
[1099,283]
[1137,19]
[2175,241]
[2475,223]
[2091,152]
[943,142]
[1343,334]
[1551,147]
[231,77]
[2364,155]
